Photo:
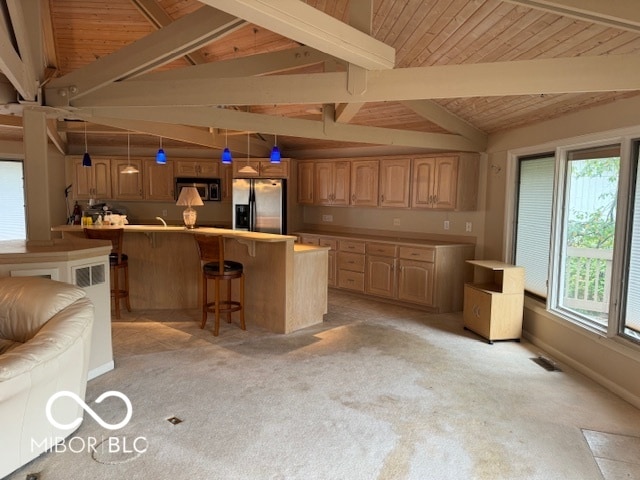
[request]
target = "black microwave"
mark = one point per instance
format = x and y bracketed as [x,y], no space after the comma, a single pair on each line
[208,188]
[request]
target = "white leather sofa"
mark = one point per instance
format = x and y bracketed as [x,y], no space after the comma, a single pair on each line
[45,336]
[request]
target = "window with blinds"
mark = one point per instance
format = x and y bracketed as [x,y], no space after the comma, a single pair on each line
[533,221]
[12,203]
[631,321]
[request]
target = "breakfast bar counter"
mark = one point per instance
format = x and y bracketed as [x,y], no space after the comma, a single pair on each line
[285,283]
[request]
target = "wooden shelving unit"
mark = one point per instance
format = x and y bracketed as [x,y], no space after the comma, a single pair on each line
[494,302]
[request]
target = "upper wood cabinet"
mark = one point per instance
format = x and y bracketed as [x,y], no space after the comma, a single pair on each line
[127,186]
[158,179]
[364,183]
[92,182]
[263,167]
[197,168]
[305,183]
[226,182]
[331,182]
[395,182]
[445,182]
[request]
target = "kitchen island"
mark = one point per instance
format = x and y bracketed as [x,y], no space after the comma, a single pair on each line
[285,283]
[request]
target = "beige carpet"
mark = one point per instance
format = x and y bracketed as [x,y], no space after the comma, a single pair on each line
[376,392]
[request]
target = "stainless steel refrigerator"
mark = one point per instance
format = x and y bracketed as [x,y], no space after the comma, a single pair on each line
[259,205]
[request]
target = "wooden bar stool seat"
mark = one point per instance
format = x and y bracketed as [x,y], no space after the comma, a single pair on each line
[118,262]
[216,268]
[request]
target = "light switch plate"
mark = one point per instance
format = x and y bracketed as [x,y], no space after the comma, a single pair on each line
[446,224]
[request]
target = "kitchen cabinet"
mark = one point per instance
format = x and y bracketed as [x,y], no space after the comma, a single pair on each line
[381,278]
[127,186]
[416,275]
[91,182]
[494,302]
[332,274]
[395,182]
[197,168]
[305,183]
[226,183]
[351,263]
[331,182]
[158,180]
[445,182]
[263,167]
[364,183]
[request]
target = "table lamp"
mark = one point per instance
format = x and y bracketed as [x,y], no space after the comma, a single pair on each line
[190,197]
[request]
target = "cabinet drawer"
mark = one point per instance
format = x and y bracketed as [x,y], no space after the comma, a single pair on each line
[351,261]
[351,280]
[381,249]
[352,246]
[417,253]
[329,242]
[306,240]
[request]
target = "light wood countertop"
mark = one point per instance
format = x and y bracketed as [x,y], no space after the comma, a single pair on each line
[21,251]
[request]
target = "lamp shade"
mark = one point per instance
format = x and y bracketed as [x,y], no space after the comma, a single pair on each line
[226,155]
[275,154]
[86,160]
[161,157]
[189,197]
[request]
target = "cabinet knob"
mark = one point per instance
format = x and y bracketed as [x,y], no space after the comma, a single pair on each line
[382,198]
[353,197]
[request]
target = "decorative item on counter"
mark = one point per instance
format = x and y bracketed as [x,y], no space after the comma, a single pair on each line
[190,197]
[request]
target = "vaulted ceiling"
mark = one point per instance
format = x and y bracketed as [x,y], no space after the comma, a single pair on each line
[328,77]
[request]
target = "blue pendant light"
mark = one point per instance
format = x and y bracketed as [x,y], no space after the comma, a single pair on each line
[275,152]
[226,153]
[161,157]
[86,158]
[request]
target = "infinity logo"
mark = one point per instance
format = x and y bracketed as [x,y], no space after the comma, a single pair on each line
[86,408]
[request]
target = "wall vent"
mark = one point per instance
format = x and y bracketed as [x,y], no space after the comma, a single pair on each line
[89,276]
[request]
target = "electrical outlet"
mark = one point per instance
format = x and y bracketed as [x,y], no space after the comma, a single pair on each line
[164,213]
[446,224]
[327,218]
[396,222]
[468,227]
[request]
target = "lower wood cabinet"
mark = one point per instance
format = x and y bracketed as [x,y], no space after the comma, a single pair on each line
[429,276]
[494,304]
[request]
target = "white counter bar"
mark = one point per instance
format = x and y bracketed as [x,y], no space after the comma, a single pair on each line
[70,260]
[280,278]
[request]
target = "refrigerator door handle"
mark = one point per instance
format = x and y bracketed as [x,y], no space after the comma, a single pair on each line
[252,207]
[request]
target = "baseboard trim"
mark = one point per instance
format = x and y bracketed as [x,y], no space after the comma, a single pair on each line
[596,377]
[102,369]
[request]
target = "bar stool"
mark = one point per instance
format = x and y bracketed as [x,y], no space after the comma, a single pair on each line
[216,268]
[117,261]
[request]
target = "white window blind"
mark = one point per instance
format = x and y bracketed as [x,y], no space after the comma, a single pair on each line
[12,208]
[632,317]
[534,216]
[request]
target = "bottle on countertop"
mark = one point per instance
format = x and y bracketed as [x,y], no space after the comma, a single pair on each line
[77,214]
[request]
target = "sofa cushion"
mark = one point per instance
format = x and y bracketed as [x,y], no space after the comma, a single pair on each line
[6,345]
[27,303]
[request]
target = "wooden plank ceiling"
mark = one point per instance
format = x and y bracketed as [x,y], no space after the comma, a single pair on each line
[423,33]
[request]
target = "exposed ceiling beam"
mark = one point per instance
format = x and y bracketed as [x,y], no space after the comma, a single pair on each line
[325,130]
[183,133]
[10,62]
[261,64]
[173,41]
[48,38]
[447,120]
[623,14]
[346,111]
[26,21]
[304,24]
[159,19]
[55,137]
[605,73]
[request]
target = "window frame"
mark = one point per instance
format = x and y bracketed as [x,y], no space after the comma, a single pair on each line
[628,139]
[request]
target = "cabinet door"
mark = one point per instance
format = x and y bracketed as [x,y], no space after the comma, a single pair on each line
[380,276]
[364,183]
[305,183]
[274,170]
[158,181]
[341,184]
[477,311]
[101,179]
[208,168]
[186,168]
[226,182]
[82,180]
[323,183]
[445,184]
[395,182]
[423,175]
[332,274]
[127,186]
[415,282]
